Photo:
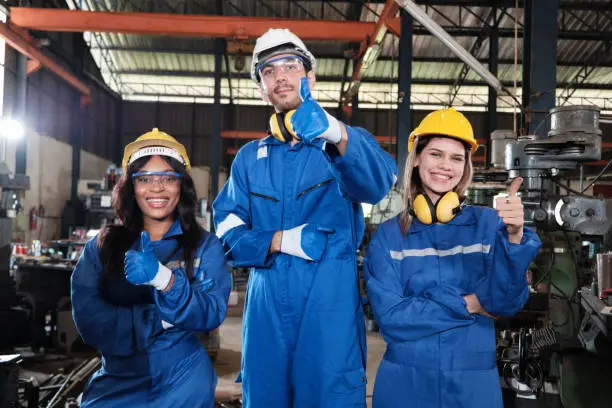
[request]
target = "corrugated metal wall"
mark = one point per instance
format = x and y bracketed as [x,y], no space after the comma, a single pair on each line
[51,107]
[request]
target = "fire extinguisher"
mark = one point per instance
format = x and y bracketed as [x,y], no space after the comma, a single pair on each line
[33,218]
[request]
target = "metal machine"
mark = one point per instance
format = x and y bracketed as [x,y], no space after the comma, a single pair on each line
[563,337]
[11,315]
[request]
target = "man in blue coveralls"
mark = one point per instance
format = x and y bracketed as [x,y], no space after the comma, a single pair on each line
[291,211]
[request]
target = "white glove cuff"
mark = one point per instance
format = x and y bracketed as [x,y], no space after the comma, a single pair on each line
[333,134]
[166,325]
[162,278]
[291,243]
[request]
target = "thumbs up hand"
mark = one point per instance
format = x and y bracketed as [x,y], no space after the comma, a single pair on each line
[310,121]
[510,210]
[143,268]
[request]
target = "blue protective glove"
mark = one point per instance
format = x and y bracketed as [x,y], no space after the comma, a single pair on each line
[310,121]
[308,241]
[143,268]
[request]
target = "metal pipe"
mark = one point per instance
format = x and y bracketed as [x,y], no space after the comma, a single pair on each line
[453,45]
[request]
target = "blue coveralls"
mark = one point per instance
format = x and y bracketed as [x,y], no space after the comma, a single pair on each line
[303,329]
[438,355]
[144,365]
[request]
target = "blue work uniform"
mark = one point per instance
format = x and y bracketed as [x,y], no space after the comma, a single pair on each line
[303,328]
[144,364]
[438,354]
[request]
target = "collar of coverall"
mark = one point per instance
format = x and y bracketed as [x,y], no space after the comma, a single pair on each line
[465,217]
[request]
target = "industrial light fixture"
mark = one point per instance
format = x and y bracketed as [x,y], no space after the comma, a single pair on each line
[11,129]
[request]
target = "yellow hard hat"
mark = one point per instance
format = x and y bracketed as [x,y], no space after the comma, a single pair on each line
[155,143]
[445,122]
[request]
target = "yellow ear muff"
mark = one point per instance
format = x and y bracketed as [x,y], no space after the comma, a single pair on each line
[281,127]
[423,209]
[447,207]
[275,130]
[443,211]
[289,125]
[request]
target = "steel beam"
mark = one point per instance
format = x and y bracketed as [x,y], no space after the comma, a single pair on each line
[526,67]
[20,113]
[30,50]
[492,97]
[354,14]
[370,47]
[216,123]
[404,113]
[184,25]
[563,5]
[542,71]
[233,27]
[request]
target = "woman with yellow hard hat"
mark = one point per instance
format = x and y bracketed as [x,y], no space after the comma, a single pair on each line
[143,289]
[437,273]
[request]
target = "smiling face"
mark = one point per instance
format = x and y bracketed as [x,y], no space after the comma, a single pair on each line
[157,196]
[441,165]
[281,83]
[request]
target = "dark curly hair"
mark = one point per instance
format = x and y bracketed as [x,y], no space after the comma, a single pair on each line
[115,240]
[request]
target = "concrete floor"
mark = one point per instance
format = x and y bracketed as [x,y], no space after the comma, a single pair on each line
[228,360]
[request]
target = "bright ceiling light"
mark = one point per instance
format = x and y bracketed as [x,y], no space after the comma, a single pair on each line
[11,129]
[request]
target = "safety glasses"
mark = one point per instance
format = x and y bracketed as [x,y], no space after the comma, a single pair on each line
[287,65]
[165,178]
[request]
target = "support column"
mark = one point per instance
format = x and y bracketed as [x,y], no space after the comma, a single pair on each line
[77,128]
[78,115]
[540,74]
[20,113]
[354,120]
[492,100]
[215,149]
[404,113]
[119,145]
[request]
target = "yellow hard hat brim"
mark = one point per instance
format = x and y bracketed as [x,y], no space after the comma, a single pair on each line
[413,138]
[133,147]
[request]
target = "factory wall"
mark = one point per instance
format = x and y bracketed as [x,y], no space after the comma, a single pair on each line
[49,163]
[53,109]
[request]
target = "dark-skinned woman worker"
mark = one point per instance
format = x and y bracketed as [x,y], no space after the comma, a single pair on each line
[143,289]
[437,273]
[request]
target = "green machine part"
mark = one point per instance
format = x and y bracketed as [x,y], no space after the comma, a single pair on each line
[556,269]
[584,381]
[564,313]
[481,196]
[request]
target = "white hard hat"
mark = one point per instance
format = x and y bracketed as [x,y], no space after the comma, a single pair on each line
[275,37]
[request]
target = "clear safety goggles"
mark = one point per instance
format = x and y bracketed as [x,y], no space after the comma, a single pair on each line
[149,178]
[288,65]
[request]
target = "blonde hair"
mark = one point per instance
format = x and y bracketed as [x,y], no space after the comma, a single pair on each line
[412,180]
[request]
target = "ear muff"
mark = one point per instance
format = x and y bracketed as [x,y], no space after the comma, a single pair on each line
[447,207]
[281,127]
[424,209]
[443,211]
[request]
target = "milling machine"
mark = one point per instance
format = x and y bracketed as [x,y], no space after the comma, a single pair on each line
[563,336]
